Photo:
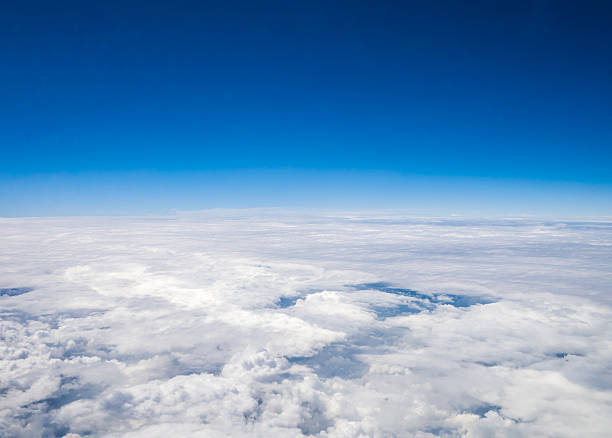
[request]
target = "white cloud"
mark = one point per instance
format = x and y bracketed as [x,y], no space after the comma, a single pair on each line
[241,324]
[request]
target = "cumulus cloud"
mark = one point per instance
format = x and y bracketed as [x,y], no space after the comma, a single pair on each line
[277,324]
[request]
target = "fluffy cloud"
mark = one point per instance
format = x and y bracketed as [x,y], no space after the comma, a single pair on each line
[277,324]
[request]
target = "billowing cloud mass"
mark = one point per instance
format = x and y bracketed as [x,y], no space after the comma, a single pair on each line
[284,325]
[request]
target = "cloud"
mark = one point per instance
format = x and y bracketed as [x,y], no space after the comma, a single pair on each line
[278,324]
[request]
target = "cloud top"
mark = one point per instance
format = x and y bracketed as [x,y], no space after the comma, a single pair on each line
[305,325]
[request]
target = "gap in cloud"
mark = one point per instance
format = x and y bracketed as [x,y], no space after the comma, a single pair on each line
[482,410]
[71,390]
[419,301]
[285,302]
[14,291]
[563,355]
[336,360]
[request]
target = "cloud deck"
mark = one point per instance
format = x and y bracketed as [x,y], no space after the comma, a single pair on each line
[279,324]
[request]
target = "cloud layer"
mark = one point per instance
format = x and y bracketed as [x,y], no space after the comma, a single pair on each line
[276,324]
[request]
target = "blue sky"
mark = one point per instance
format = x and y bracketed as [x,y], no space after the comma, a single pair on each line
[140,107]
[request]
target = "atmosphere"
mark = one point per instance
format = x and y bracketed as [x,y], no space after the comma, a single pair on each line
[197,95]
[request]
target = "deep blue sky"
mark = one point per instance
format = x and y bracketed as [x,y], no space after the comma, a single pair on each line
[192,94]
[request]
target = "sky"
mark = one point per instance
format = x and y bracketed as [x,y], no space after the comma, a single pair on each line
[433,107]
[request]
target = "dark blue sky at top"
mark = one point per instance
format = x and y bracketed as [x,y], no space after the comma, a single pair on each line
[519,89]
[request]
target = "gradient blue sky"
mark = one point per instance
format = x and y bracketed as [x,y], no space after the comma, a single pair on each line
[431,106]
